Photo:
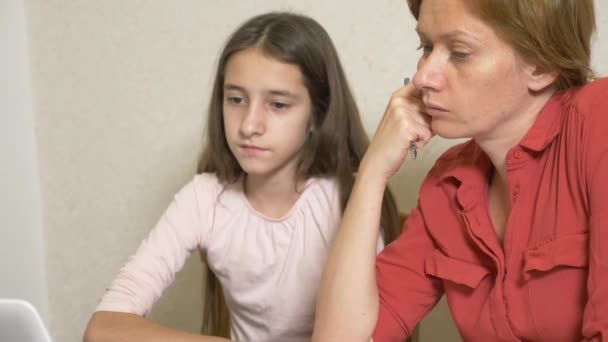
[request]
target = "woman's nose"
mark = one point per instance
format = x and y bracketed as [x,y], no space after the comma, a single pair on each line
[430,73]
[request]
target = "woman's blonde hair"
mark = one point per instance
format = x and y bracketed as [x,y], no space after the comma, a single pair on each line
[337,140]
[554,34]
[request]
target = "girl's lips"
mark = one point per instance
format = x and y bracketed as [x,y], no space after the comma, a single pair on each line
[252,149]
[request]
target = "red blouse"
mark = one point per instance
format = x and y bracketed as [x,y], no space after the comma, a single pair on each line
[548,281]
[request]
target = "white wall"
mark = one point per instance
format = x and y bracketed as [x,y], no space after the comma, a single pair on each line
[120,88]
[22,271]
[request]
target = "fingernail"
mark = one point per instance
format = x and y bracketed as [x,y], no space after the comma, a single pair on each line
[406,81]
[413,150]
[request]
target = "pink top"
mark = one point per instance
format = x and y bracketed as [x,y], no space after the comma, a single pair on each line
[270,269]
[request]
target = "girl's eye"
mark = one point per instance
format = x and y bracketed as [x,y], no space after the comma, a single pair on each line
[279,105]
[235,100]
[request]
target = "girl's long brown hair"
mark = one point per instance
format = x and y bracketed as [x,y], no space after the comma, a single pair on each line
[335,146]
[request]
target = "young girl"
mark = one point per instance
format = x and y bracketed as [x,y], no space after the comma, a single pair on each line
[284,139]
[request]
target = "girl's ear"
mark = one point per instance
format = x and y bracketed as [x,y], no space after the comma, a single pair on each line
[311,124]
[540,77]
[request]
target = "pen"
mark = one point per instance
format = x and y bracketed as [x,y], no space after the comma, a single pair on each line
[413,150]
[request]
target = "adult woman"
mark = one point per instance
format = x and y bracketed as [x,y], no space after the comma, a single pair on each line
[508,225]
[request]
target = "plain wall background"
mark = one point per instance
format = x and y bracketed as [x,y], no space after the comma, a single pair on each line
[22,244]
[102,106]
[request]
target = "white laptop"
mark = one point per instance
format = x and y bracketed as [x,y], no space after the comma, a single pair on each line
[20,322]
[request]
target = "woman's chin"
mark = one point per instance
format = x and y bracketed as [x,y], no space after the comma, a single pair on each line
[449,130]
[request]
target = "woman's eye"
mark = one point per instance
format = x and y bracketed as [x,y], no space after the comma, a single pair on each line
[426,49]
[460,55]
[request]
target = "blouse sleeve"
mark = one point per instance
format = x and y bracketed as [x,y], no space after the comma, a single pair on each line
[595,322]
[406,293]
[595,168]
[184,227]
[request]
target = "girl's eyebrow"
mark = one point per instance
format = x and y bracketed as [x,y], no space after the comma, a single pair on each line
[229,86]
[283,93]
[277,92]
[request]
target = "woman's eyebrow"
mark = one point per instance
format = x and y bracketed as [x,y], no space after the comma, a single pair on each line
[451,35]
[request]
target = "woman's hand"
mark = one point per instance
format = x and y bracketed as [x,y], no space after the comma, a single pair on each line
[403,122]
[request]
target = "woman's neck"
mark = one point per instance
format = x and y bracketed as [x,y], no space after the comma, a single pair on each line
[499,141]
[273,196]
[496,145]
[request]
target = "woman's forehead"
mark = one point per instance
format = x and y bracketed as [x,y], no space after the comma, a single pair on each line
[452,19]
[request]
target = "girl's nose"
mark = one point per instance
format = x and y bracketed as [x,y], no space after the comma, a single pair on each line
[254,121]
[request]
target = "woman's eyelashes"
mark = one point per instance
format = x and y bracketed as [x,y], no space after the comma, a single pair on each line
[456,53]
[426,49]
[460,55]
[460,51]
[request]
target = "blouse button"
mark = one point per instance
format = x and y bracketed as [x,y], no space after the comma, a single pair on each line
[516,190]
[518,154]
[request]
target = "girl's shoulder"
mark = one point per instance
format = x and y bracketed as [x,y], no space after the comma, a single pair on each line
[204,189]
[207,181]
[325,184]
[326,192]
[324,187]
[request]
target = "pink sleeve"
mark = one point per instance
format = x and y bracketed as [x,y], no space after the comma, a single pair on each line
[183,228]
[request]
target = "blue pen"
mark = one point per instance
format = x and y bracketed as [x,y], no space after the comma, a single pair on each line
[413,150]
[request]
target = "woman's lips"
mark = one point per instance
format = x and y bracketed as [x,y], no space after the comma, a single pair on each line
[434,110]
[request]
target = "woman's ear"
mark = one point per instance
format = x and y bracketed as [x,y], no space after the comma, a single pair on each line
[540,78]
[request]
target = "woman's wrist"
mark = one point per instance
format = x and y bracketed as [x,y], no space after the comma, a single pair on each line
[371,183]
[371,175]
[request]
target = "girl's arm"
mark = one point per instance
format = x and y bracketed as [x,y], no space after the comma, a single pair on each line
[183,228]
[347,307]
[107,326]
